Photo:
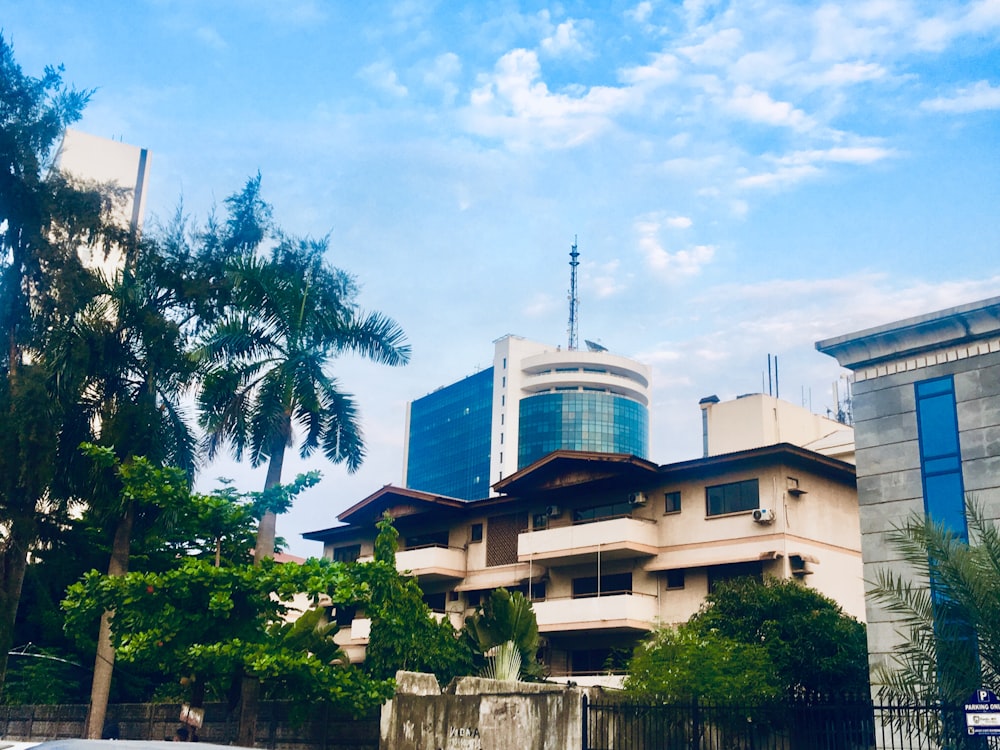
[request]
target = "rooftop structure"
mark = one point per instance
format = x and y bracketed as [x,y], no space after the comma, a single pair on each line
[463,438]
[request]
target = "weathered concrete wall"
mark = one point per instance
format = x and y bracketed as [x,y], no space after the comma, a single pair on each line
[477,714]
[278,726]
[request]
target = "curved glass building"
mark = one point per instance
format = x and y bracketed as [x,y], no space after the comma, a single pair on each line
[464,437]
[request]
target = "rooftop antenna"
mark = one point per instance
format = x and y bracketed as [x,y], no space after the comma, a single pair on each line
[574,301]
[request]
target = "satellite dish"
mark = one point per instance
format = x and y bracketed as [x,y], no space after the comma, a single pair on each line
[593,346]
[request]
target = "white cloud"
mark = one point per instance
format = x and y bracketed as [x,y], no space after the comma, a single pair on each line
[566,40]
[641,12]
[513,103]
[981,95]
[848,73]
[716,50]
[441,75]
[669,265]
[758,106]
[839,154]
[604,280]
[779,178]
[381,76]
[679,222]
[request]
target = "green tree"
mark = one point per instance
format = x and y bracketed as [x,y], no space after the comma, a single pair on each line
[812,644]
[947,605]
[200,624]
[505,617]
[404,633]
[268,360]
[44,220]
[679,665]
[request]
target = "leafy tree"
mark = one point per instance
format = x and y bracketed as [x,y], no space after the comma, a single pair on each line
[201,624]
[268,358]
[682,665]
[948,610]
[44,220]
[505,617]
[404,634]
[812,644]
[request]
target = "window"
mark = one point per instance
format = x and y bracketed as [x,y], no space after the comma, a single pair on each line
[614,583]
[476,533]
[602,512]
[719,573]
[350,553]
[540,521]
[431,539]
[344,615]
[732,498]
[436,602]
[675,579]
[941,454]
[473,598]
[672,502]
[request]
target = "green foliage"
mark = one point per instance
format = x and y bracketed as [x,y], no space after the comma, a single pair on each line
[951,637]
[404,633]
[42,677]
[503,662]
[681,665]
[811,643]
[213,622]
[505,617]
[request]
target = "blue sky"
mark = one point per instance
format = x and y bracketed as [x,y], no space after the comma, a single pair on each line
[744,178]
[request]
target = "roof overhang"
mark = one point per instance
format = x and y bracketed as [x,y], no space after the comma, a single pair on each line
[565,468]
[915,336]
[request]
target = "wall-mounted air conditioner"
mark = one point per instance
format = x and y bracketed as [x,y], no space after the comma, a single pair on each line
[763,515]
[553,511]
[637,498]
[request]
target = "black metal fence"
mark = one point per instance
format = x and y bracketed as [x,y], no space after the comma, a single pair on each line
[806,723]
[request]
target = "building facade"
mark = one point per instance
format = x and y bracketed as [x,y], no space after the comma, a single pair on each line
[119,165]
[465,437]
[608,546]
[926,418]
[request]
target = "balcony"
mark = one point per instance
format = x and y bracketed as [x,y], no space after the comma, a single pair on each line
[433,562]
[613,538]
[613,612]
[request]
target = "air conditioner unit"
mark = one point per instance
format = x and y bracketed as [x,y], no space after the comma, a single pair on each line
[763,515]
[637,498]
[553,511]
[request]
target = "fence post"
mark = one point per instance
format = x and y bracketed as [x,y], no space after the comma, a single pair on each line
[695,725]
[583,723]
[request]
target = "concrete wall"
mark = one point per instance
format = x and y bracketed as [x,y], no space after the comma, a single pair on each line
[889,484]
[278,728]
[477,714]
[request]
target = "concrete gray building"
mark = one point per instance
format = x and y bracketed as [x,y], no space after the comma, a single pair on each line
[926,428]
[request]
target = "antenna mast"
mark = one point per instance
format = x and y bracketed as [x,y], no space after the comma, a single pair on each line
[574,301]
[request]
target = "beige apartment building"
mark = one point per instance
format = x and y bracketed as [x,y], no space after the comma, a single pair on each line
[608,546]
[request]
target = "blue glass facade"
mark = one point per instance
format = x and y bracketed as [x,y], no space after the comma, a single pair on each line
[940,454]
[582,421]
[449,440]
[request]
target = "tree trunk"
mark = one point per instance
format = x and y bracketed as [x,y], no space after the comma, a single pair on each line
[250,686]
[13,563]
[266,529]
[104,661]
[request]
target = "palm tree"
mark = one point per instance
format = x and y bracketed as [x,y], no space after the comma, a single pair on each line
[268,358]
[127,365]
[946,606]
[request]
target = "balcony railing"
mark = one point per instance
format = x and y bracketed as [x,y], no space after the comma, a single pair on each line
[433,562]
[612,611]
[610,538]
